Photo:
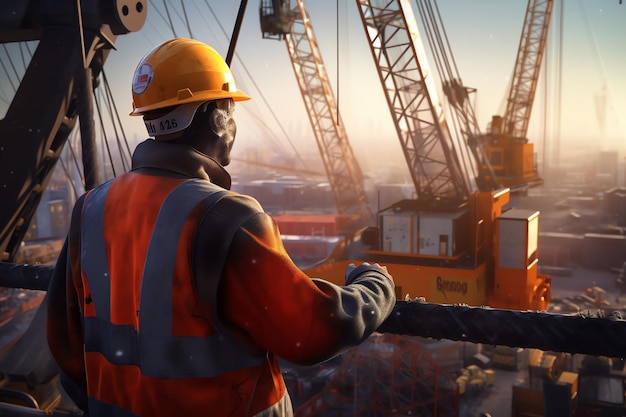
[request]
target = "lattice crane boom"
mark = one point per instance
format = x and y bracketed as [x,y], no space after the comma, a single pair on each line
[410,91]
[510,153]
[527,67]
[343,171]
[71,51]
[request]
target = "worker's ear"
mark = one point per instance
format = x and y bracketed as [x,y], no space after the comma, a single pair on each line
[222,124]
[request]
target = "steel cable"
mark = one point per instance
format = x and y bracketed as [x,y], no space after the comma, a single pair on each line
[584,333]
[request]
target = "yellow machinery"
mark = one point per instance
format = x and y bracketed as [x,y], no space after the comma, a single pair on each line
[474,379]
[456,242]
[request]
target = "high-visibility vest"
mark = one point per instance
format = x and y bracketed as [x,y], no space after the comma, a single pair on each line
[142,367]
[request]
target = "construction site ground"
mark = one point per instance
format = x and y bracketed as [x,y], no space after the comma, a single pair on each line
[496,400]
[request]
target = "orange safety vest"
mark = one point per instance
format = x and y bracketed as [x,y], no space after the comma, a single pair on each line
[148,352]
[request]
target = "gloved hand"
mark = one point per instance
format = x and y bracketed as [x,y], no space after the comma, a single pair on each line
[352,271]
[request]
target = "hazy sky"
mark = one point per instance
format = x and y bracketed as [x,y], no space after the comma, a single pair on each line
[484,35]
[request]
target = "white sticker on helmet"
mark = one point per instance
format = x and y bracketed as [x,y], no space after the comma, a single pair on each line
[179,118]
[143,77]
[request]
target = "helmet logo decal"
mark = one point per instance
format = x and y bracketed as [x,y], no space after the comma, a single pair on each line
[143,77]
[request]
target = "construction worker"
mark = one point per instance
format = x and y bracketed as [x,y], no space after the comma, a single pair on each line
[174,296]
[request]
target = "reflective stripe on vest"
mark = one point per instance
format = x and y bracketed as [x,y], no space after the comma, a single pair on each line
[153,349]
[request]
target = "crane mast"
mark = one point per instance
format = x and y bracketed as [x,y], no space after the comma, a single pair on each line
[279,21]
[510,153]
[527,67]
[410,91]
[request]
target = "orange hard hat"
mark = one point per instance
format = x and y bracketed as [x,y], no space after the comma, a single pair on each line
[181,71]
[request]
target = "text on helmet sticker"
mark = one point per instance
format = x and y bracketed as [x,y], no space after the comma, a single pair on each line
[179,118]
[143,77]
[161,126]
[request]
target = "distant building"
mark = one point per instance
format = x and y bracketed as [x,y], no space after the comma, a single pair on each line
[607,173]
[52,217]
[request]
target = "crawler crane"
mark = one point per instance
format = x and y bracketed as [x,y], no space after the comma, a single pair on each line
[455,243]
[511,155]
[42,114]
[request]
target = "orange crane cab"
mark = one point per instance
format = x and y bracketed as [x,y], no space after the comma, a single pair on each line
[446,256]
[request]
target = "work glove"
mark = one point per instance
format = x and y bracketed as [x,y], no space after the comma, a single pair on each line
[353,271]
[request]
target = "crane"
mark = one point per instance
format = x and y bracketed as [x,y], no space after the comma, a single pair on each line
[73,55]
[405,267]
[510,153]
[279,21]
[455,243]
[463,121]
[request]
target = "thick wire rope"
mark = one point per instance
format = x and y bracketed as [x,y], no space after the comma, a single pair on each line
[600,333]
[470,165]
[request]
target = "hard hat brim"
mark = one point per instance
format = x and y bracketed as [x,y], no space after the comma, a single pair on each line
[199,98]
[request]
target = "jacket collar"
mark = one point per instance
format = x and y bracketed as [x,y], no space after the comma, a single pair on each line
[181,159]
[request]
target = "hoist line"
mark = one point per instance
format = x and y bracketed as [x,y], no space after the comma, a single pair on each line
[102,130]
[117,114]
[337,57]
[68,176]
[169,18]
[433,30]
[559,88]
[75,159]
[182,3]
[112,111]
[158,12]
[21,46]
[6,70]
[596,335]
[596,50]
